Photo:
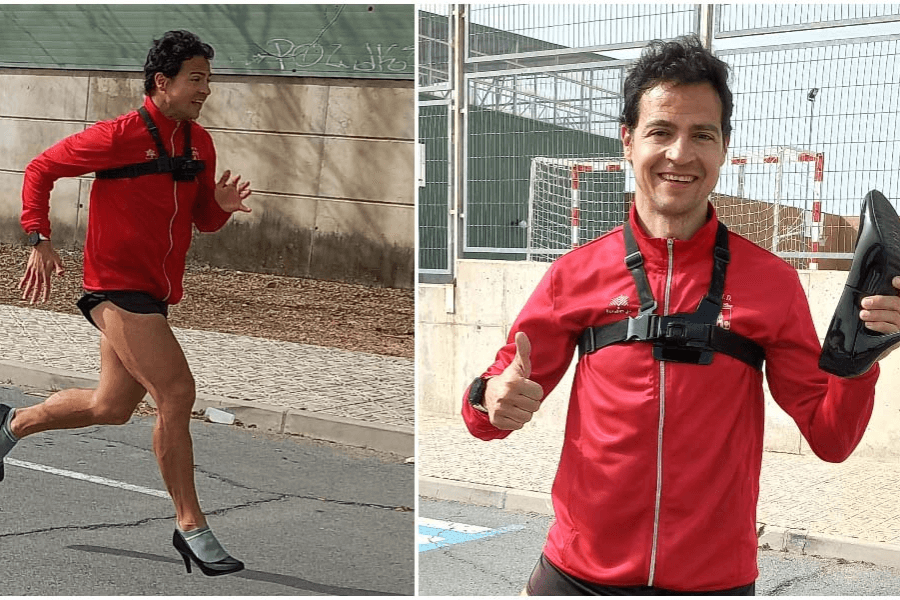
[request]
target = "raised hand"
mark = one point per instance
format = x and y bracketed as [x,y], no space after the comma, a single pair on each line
[882,314]
[510,398]
[230,196]
[42,264]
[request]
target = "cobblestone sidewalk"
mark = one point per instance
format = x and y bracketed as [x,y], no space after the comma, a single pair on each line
[857,499]
[353,385]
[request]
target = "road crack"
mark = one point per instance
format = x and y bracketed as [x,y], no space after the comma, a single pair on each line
[786,585]
[217,512]
[226,480]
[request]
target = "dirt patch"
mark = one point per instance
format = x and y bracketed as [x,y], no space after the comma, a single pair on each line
[306,311]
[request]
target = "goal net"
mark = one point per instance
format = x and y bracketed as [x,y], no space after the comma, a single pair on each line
[772,197]
[572,201]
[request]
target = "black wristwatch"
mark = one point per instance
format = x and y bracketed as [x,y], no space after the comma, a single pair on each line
[35,238]
[476,394]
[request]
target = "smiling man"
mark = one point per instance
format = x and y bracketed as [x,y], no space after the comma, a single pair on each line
[154,182]
[658,478]
[676,149]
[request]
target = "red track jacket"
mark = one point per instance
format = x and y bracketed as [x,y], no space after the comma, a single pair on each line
[659,474]
[139,229]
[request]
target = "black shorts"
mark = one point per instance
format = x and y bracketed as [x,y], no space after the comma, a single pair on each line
[548,580]
[134,302]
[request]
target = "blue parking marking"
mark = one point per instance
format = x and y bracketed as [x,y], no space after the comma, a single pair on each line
[438,534]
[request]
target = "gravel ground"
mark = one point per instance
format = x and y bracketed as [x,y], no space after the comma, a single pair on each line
[306,311]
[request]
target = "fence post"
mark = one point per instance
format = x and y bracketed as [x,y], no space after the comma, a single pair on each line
[458,132]
[706,25]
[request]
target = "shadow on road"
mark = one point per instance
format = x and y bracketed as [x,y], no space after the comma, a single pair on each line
[286,580]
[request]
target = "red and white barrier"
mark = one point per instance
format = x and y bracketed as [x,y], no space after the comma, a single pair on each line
[779,156]
[608,166]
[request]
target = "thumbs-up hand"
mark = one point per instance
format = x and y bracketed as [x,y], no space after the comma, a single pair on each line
[511,398]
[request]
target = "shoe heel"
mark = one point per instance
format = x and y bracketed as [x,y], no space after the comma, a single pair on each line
[183,550]
[187,562]
[227,565]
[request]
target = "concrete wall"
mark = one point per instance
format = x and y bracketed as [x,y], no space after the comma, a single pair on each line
[460,329]
[330,161]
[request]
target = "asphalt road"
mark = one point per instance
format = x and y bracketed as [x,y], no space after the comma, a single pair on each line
[307,518]
[496,557]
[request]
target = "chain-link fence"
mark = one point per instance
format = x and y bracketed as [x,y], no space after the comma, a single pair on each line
[815,122]
[435,200]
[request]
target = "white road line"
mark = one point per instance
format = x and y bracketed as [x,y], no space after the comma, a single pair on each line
[91,478]
[448,526]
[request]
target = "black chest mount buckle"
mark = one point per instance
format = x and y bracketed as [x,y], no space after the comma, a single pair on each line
[182,168]
[681,340]
[684,337]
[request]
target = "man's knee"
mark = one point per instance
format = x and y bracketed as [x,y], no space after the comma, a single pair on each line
[112,413]
[184,388]
[176,396]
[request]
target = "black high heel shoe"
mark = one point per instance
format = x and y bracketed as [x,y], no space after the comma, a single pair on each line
[850,348]
[225,566]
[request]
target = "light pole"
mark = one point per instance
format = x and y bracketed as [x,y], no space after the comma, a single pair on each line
[811,96]
[813,262]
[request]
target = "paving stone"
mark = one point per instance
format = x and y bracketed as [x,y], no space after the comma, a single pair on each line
[796,491]
[331,381]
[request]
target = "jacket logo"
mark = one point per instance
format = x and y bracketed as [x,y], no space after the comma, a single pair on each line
[724,320]
[152,155]
[617,305]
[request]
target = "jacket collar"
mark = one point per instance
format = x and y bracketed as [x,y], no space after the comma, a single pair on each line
[698,247]
[165,125]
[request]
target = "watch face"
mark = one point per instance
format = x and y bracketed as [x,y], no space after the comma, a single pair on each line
[34,238]
[476,391]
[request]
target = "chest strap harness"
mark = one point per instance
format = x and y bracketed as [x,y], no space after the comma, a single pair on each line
[683,337]
[182,168]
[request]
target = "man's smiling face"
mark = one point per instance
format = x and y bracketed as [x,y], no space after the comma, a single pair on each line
[676,150]
[182,96]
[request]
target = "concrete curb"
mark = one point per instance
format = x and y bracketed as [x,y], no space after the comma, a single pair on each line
[276,419]
[801,541]
[781,539]
[485,495]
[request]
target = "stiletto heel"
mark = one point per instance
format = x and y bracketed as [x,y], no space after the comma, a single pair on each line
[187,561]
[226,565]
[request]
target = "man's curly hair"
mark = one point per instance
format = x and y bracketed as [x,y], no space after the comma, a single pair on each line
[169,53]
[683,60]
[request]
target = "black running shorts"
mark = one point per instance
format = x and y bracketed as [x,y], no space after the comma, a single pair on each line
[548,580]
[133,302]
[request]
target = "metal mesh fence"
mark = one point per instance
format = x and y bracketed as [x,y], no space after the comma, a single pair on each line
[545,81]
[816,91]
[435,53]
[434,197]
[514,118]
[434,45]
[528,28]
[743,19]
[828,113]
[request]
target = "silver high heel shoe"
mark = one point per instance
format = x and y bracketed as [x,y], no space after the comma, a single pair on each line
[220,563]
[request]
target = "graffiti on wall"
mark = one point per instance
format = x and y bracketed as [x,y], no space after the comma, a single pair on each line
[373,58]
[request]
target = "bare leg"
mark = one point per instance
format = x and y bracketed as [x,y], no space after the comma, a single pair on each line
[112,403]
[150,353]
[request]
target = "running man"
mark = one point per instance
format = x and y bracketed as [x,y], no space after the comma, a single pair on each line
[155,170]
